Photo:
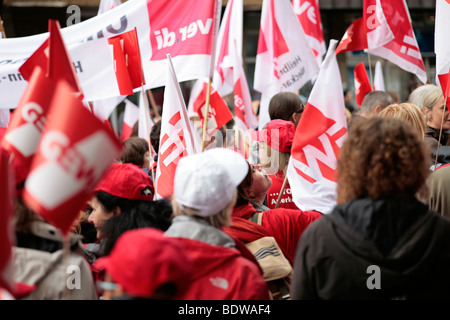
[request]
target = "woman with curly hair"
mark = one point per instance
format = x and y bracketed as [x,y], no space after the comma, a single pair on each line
[379,242]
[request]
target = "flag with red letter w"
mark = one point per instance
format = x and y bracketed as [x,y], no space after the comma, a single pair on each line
[318,139]
[176,138]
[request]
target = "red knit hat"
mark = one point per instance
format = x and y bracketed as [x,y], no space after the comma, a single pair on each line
[127,181]
[144,259]
[278,134]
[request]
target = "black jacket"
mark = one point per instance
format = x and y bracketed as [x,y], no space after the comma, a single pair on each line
[338,255]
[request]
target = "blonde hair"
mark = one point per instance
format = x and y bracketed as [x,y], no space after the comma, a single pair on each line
[431,97]
[407,112]
[219,220]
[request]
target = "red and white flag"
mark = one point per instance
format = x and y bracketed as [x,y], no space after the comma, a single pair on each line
[308,13]
[386,20]
[244,116]
[7,240]
[318,139]
[218,112]
[378,79]
[228,38]
[284,60]
[75,150]
[127,61]
[145,121]
[176,139]
[5,117]
[130,116]
[355,37]
[28,121]
[362,83]
[441,43]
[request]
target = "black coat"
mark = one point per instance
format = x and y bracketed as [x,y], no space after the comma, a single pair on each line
[374,249]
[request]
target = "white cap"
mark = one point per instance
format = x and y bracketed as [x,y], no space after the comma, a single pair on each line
[207,181]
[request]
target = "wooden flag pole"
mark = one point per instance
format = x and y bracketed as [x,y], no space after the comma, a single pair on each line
[370,68]
[147,136]
[440,133]
[2,29]
[281,192]
[205,115]
[153,104]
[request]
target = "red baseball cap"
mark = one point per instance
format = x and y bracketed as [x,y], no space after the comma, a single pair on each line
[127,180]
[278,134]
[144,259]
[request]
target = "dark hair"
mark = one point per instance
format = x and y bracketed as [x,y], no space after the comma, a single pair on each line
[155,214]
[134,149]
[242,189]
[154,135]
[109,202]
[284,104]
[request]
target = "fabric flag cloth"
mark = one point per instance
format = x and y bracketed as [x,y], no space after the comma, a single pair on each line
[127,61]
[75,150]
[176,139]
[28,121]
[229,39]
[244,116]
[378,79]
[130,116]
[218,112]
[53,57]
[284,60]
[106,5]
[5,117]
[308,13]
[355,37]
[318,138]
[193,23]
[7,239]
[386,20]
[145,121]
[441,43]
[362,83]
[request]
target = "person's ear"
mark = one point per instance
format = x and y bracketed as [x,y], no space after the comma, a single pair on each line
[117,211]
[377,109]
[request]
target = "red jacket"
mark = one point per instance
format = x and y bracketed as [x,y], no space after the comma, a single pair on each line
[285,225]
[222,273]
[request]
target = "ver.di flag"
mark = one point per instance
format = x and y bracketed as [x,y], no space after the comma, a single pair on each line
[130,116]
[362,83]
[402,50]
[176,138]
[284,60]
[318,138]
[75,150]
[183,28]
[308,13]
[442,44]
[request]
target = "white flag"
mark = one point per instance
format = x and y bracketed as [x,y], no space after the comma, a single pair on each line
[176,139]
[441,41]
[284,60]
[318,139]
[378,79]
[145,121]
[106,5]
[130,116]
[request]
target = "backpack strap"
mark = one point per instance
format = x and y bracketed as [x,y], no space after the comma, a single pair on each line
[256,218]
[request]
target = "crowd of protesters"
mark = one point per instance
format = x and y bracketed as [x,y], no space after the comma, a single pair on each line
[390,221]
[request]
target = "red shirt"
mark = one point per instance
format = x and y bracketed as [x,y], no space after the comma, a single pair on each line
[274,191]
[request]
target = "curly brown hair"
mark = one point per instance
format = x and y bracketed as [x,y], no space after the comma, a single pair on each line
[381,157]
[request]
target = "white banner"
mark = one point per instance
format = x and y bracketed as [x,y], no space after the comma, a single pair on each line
[183,28]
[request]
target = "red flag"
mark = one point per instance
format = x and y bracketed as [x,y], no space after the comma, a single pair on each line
[362,83]
[318,139]
[442,45]
[6,227]
[402,50]
[75,150]
[52,56]
[28,121]
[355,38]
[219,114]
[127,61]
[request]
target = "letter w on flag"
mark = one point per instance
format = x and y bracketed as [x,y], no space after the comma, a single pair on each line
[176,138]
[317,141]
